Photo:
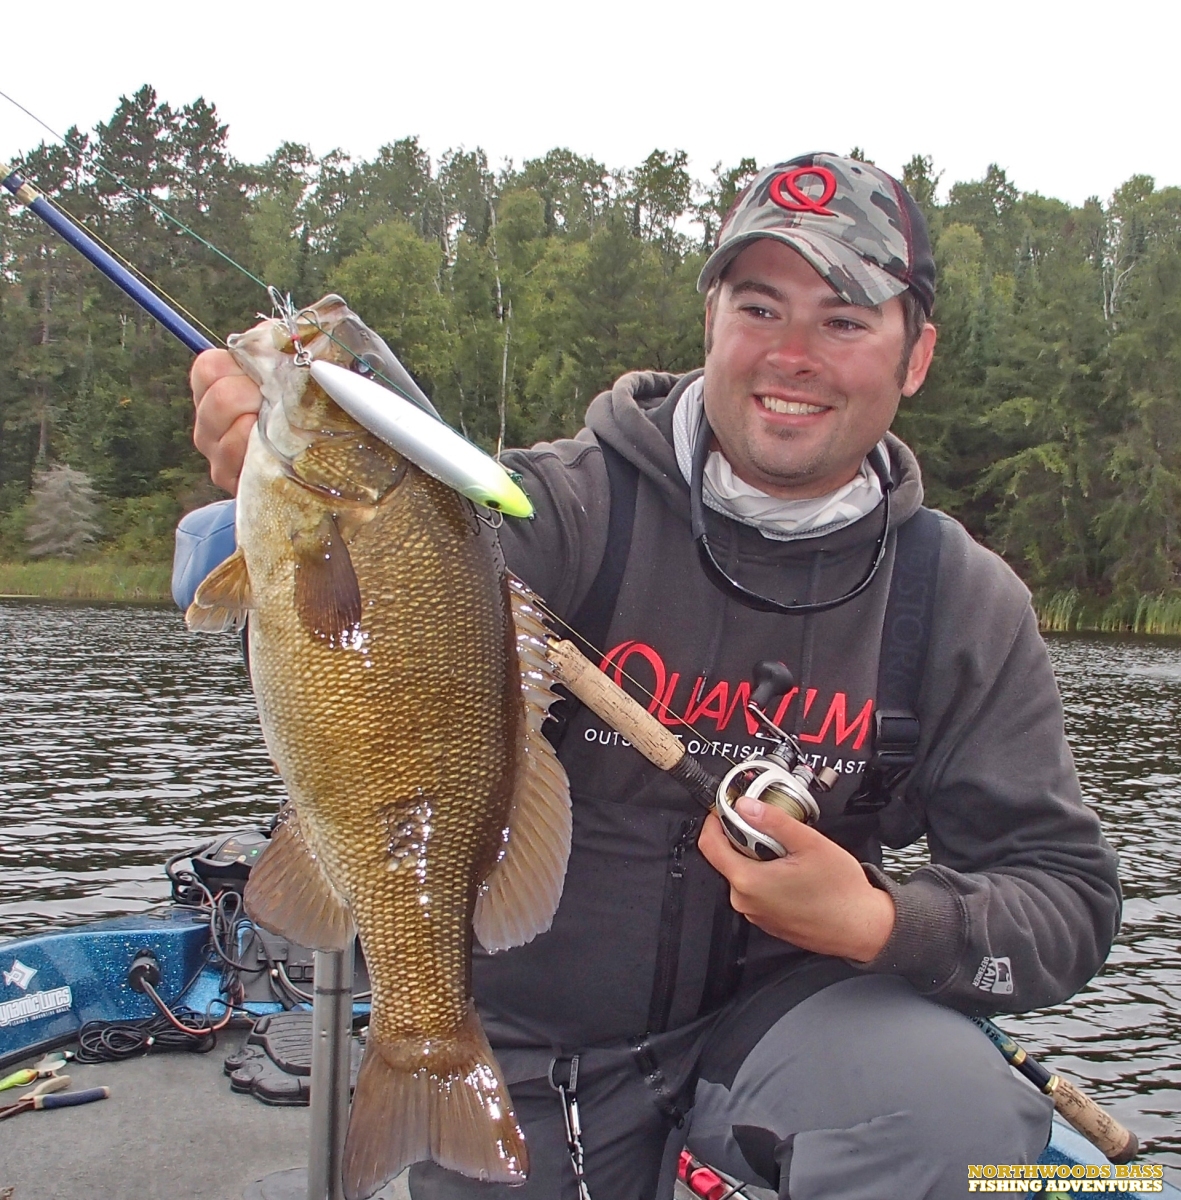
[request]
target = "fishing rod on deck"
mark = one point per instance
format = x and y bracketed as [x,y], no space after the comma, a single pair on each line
[1096,1124]
[785,784]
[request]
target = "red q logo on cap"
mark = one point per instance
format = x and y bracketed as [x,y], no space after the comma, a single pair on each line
[800,200]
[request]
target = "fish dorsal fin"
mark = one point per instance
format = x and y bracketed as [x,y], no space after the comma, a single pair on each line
[520,896]
[289,894]
[223,597]
[327,594]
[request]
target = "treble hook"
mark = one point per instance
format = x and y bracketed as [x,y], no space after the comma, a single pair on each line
[284,310]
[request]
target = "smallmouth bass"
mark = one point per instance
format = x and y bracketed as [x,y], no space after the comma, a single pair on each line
[401,681]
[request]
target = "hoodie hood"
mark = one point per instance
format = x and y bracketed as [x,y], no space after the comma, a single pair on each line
[635,418]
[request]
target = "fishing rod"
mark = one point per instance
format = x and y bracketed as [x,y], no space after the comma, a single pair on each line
[782,776]
[396,416]
[1096,1124]
[35,202]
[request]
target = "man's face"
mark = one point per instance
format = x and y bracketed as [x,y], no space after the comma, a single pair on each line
[799,384]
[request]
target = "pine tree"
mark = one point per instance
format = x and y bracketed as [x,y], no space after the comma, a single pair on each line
[63,513]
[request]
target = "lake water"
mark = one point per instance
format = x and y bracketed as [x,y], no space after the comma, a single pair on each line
[124,739]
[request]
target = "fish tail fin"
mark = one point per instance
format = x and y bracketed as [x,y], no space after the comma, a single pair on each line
[452,1106]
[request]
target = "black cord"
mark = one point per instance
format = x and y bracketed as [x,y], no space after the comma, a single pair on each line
[730,587]
[181,1028]
[226,916]
[111,1041]
[187,889]
[223,920]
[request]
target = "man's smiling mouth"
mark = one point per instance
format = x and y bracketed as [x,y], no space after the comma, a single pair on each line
[793,408]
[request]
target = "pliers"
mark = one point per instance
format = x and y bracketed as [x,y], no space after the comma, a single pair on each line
[42,1097]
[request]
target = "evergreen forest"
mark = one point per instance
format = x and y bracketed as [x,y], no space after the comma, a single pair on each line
[1050,424]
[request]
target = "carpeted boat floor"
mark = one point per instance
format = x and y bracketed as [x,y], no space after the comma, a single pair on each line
[171,1130]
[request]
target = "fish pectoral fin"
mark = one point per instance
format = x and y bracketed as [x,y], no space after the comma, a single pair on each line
[442,1098]
[289,894]
[223,597]
[327,594]
[361,468]
[520,896]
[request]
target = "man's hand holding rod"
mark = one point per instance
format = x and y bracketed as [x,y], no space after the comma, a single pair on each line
[817,898]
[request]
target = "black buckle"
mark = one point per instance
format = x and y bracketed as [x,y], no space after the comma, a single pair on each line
[895,739]
[895,751]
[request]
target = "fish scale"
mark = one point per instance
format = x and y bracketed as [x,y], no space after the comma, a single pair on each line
[387,769]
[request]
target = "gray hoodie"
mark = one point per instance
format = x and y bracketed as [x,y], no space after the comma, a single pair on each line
[1020,902]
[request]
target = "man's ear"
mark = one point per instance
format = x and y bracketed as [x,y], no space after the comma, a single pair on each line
[710,307]
[920,360]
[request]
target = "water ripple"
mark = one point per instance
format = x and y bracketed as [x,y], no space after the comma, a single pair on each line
[125,738]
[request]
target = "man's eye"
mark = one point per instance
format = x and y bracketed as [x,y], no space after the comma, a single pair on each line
[844,324]
[756,310]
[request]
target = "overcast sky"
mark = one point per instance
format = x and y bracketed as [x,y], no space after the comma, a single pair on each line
[1071,99]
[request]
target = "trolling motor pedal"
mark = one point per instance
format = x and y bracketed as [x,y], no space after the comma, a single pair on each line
[781,777]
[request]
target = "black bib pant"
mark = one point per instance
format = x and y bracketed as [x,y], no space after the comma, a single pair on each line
[808,1089]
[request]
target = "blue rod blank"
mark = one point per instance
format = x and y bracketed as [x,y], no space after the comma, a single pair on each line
[113,270]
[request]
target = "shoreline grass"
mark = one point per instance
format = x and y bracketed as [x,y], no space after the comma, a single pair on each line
[149,583]
[55,579]
[1076,612]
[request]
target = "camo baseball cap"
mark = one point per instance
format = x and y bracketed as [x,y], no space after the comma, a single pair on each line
[858,227]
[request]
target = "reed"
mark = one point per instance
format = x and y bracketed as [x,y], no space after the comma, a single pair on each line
[54,579]
[1074,612]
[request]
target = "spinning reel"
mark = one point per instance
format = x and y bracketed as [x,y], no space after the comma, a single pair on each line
[781,777]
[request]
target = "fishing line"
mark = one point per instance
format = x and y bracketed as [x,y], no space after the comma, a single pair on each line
[131,191]
[81,150]
[167,216]
[279,307]
[677,718]
[288,316]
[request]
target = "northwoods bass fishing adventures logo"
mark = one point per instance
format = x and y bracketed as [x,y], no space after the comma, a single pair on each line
[1061,1179]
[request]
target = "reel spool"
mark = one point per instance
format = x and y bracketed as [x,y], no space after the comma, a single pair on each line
[781,778]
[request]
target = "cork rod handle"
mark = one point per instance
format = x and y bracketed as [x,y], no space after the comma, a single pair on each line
[1095,1124]
[610,702]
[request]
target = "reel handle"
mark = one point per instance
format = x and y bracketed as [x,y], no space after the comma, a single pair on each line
[772,679]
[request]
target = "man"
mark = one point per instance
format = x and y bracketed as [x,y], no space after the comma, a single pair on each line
[793,1020]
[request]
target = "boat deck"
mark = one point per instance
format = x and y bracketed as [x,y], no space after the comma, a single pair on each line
[173,1127]
[171,1130]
